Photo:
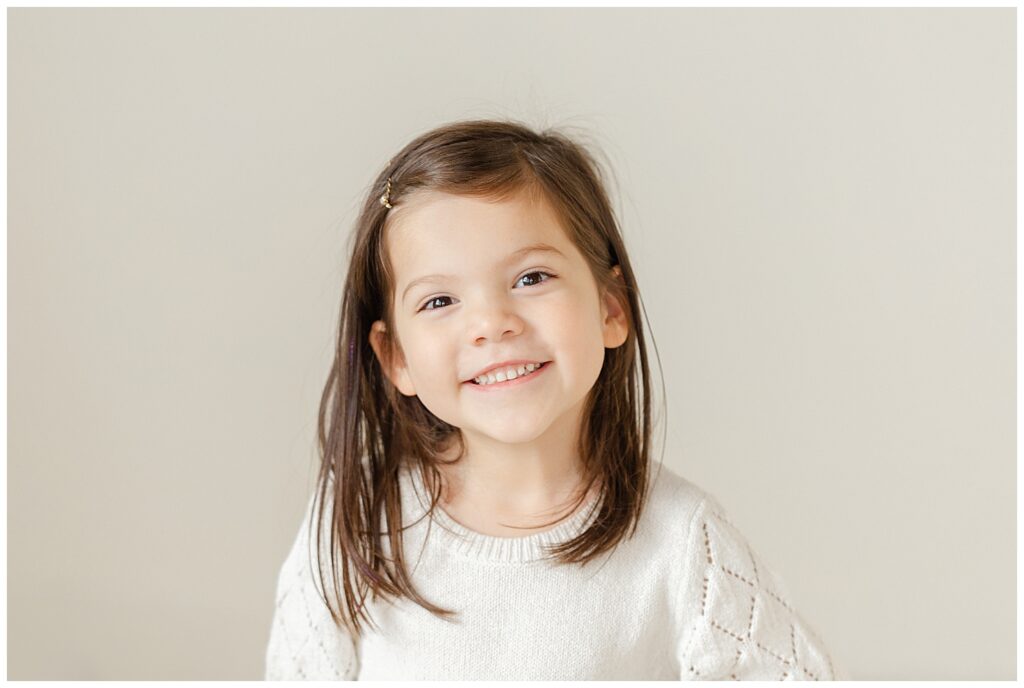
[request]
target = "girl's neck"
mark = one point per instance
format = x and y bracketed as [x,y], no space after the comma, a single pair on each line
[484,497]
[479,512]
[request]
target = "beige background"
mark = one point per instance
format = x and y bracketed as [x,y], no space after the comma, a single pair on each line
[819,203]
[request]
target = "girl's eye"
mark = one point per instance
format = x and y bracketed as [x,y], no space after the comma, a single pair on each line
[529,274]
[535,272]
[436,298]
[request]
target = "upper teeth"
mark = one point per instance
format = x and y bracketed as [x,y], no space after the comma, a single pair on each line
[508,374]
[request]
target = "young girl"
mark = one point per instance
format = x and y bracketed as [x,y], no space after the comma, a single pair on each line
[485,507]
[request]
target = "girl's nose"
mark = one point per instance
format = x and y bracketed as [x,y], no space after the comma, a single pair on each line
[493,321]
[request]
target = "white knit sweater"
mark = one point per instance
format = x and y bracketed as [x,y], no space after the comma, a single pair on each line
[685,598]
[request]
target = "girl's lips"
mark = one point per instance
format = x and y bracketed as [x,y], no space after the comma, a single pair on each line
[521,380]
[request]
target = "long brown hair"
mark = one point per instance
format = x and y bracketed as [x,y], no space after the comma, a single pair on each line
[368,430]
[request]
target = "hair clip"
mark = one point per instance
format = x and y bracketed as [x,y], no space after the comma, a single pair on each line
[385,199]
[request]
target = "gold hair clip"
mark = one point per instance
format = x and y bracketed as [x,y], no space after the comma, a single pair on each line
[385,199]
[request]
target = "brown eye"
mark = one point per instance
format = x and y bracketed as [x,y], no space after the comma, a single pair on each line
[536,272]
[436,298]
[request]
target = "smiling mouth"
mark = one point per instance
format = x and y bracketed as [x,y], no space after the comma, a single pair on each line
[510,381]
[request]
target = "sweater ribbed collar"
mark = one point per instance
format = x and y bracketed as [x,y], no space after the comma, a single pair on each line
[473,544]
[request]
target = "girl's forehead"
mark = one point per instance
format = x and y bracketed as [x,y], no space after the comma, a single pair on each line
[436,222]
[433,202]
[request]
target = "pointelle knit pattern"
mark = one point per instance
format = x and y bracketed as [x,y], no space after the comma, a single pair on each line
[686,598]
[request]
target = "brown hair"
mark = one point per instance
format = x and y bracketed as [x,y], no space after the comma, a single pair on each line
[367,429]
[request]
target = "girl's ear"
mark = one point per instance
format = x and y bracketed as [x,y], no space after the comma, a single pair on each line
[616,324]
[395,370]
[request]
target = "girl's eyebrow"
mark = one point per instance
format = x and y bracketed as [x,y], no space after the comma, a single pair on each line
[515,255]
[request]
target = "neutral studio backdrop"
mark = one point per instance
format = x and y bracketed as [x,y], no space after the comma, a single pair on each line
[819,204]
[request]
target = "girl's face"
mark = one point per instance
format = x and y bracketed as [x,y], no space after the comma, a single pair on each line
[472,290]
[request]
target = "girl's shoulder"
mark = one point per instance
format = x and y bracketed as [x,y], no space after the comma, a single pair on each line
[689,519]
[673,498]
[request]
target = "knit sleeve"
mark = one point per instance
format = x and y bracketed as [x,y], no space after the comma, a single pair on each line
[738,621]
[305,642]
